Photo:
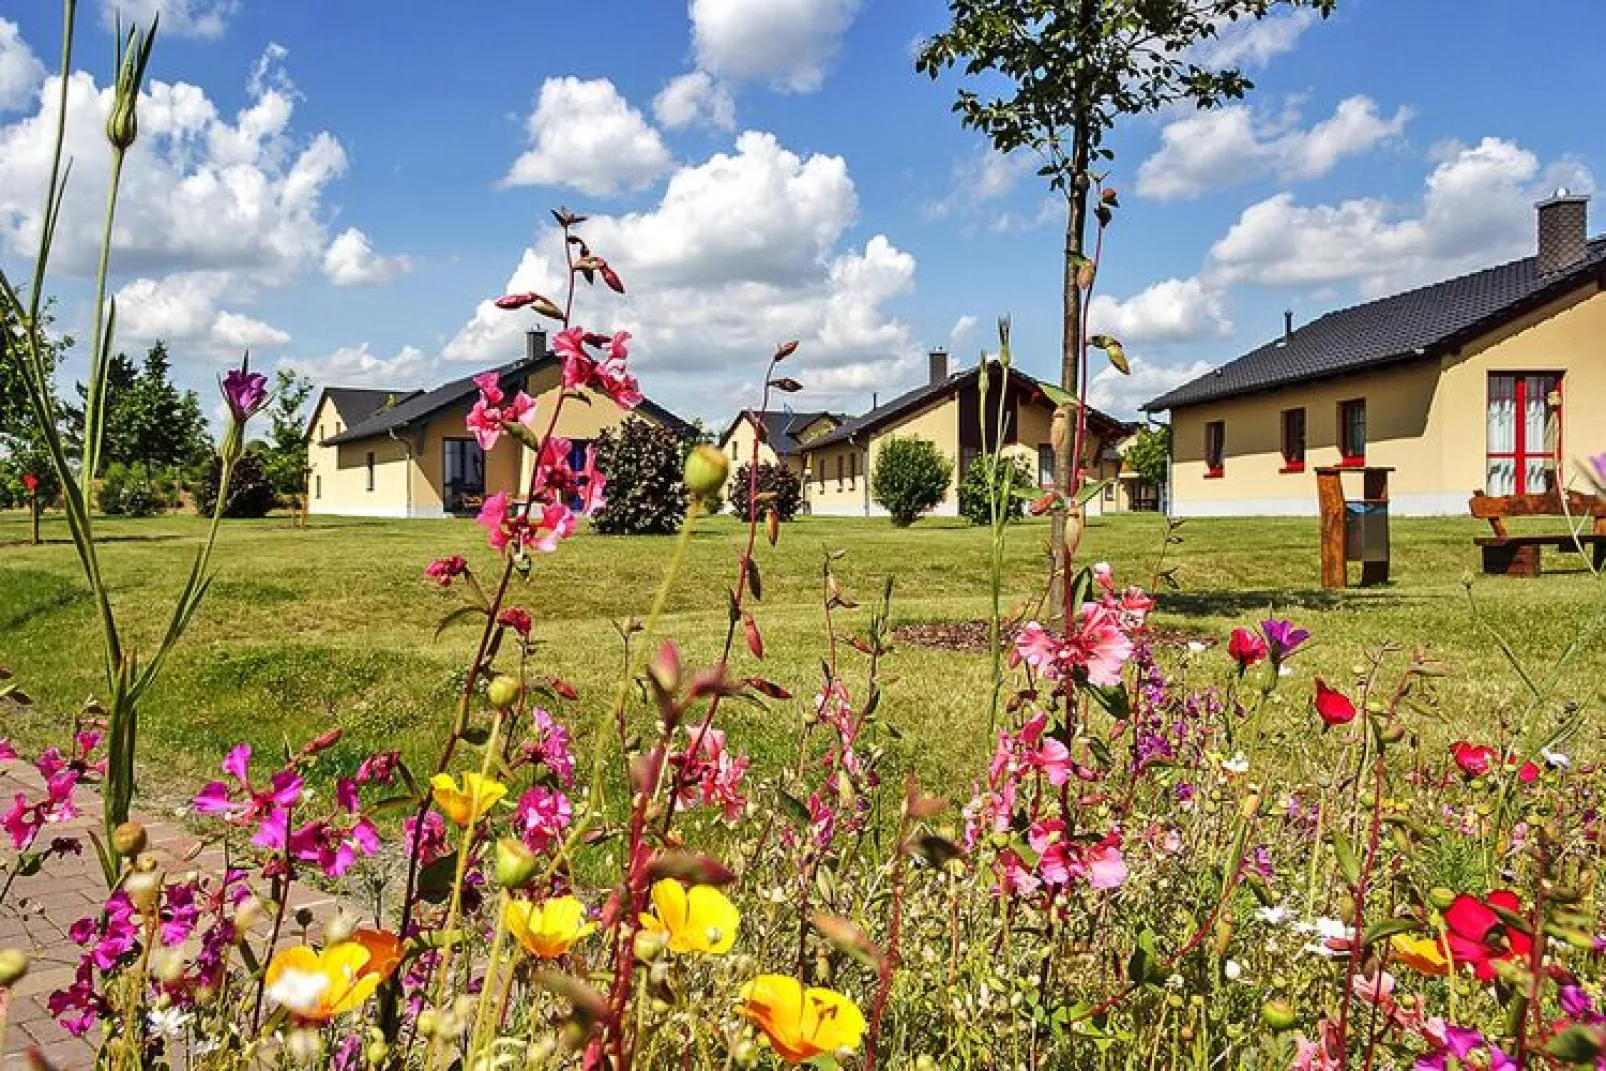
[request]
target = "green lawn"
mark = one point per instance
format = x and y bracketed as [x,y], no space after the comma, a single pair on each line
[333,624]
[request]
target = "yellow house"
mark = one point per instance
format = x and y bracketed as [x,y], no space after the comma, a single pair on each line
[947,411]
[408,454]
[780,434]
[1490,381]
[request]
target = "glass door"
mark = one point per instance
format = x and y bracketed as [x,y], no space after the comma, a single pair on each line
[463,475]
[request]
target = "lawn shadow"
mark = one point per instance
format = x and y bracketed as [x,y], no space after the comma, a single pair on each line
[164,537]
[1223,603]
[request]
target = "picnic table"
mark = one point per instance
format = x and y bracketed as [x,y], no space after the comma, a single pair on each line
[1506,554]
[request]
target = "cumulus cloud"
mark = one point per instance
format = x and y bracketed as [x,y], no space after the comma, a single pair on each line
[1252,43]
[350,260]
[183,309]
[1476,210]
[695,98]
[180,18]
[21,73]
[1212,150]
[409,368]
[585,135]
[200,191]
[1121,395]
[742,251]
[788,44]
[961,331]
[1173,310]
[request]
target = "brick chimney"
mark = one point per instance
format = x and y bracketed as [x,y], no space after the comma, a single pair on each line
[1563,231]
[939,366]
[534,345]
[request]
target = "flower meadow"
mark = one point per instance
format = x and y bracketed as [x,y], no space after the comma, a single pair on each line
[1166,854]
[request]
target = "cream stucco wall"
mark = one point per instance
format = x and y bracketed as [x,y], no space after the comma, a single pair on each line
[738,450]
[937,423]
[337,478]
[1426,419]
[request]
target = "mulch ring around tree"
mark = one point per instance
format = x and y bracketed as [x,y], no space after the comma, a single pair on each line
[970,637]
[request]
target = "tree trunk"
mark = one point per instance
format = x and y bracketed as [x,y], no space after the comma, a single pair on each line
[33,519]
[1067,522]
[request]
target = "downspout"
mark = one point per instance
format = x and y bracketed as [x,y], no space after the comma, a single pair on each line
[407,479]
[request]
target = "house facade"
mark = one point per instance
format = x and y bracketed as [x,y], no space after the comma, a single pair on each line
[781,436]
[409,454]
[947,411]
[1491,381]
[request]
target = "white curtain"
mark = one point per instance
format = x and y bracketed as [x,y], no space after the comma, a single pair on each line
[1502,439]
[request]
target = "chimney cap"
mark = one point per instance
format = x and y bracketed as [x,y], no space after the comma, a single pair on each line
[1562,196]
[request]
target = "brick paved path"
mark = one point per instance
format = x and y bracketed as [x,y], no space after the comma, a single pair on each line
[40,908]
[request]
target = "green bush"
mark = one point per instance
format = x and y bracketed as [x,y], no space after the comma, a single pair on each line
[137,491]
[17,457]
[1013,474]
[250,493]
[645,495]
[911,476]
[776,480]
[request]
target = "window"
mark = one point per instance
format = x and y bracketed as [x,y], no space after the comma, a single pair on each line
[370,470]
[853,470]
[1215,446]
[317,487]
[841,465]
[1045,466]
[320,433]
[463,464]
[337,427]
[1524,437]
[1293,440]
[1352,432]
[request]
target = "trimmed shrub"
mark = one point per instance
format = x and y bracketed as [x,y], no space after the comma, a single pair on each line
[1013,472]
[645,495]
[136,491]
[250,493]
[777,480]
[911,477]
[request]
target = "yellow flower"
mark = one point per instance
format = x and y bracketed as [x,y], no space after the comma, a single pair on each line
[317,986]
[547,930]
[801,1023]
[466,805]
[702,920]
[1421,954]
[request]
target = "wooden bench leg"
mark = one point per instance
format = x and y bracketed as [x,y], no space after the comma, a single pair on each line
[1522,560]
[1600,556]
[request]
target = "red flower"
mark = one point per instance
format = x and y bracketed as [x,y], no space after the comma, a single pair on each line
[1475,760]
[516,619]
[30,482]
[1479,937]
[1246,648]
[1332,705]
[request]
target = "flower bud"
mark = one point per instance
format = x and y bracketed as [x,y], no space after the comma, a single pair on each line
[1440,897]
[706,469]
[515,863]
[1278,1014]
[13,965]
[377,1052]
[503,691]
[427,1023]
[648,946]
[143,889]
[340,928]
[129,839]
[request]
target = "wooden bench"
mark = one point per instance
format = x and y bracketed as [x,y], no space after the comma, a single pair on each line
[1505,554]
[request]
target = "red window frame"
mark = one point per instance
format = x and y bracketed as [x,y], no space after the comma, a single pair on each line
[1521,452]
[1293,459]
[1215,449]
[1347,453]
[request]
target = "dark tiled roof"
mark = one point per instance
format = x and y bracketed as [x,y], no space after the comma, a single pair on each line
[423,404]
[1418,323]
[357,404]
[781,426]
[903,404]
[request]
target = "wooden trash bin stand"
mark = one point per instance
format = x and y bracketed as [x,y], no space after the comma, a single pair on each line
[1354,530]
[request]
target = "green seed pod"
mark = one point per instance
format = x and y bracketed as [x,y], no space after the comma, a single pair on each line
[13,965]
[1279,1015]
[515,863]
[706,469]
[1440,897]
[503,691]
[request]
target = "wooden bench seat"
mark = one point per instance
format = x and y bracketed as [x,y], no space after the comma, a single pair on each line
[1506,554]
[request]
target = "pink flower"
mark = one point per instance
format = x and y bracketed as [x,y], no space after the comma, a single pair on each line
[558,522]
[485,423]
[444,570]
[1038,649]
[1375,988]
[493,518]
[1105,867]
[1099,644]
[592,483]
[552,747]
[578,365]
[712,775]
[1475,760]
[8,751]
[541,817]
[1246,648]
[618,348]
[429,840]
[490,385]
[522,411]
[516,619]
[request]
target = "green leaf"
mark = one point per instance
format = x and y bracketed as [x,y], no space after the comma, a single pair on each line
[794,808]
[1348,865]
[1379,931]
[457,617]
[1578,1045]
[1057,395]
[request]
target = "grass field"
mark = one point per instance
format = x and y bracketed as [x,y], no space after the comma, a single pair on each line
[333,624]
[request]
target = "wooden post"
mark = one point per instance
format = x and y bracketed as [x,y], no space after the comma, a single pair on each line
[1330,497]
[33,518]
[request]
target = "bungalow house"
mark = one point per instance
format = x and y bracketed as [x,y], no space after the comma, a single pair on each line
[785,434]
[374,453]
[946,411]
[1488,381]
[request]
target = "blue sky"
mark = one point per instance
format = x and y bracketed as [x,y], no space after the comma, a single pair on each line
[341,187]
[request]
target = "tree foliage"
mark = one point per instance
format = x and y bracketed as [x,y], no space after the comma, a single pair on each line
[646,495]
[285,453]
[781,483]
[149,420]
[975,496]
[250,493]
[911,477]
[1150,454]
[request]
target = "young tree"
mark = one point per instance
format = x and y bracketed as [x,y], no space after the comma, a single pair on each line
[1150,454]
[911,477]
[285,457]
[149,421]
[1071,70]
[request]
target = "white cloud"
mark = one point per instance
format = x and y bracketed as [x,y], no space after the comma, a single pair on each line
[350,260]
[21,73]
[1120,395]
[585,135]
[1476,211]
[199,191]
[1050,210]
[358,366]
[963,328]
[1223,147]
[180,18]
[1251,43]
[1173,310]
[984,176]
[742,251]
[785,43]
[183,310]
[695,97]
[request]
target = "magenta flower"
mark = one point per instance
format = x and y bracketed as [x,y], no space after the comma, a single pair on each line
[542,817]
[244,392]
[1598,463]
[490,386]
[517,619]
[711,775]
[444,570]
[485,424]
[493,517]
[552,747]
[429,841]
[1282,638]
[558,522]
